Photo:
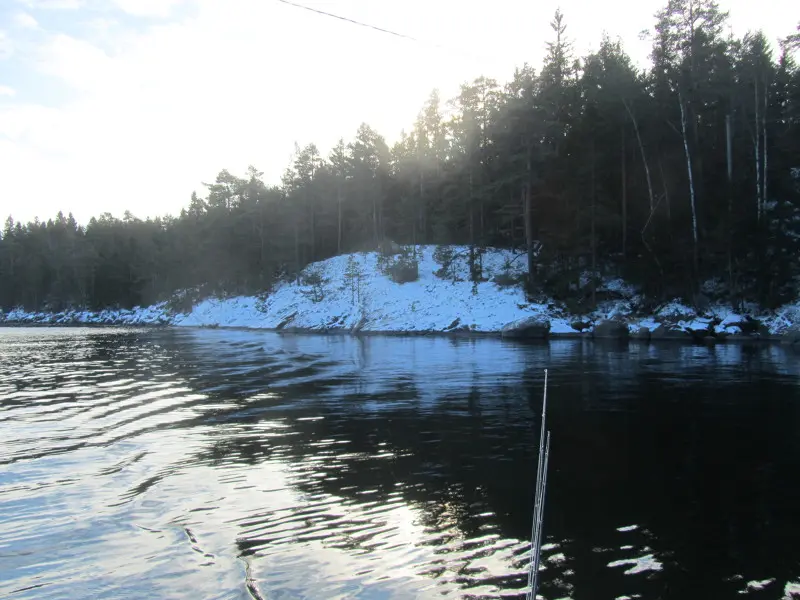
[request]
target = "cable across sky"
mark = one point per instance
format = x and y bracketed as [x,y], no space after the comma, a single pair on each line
[384,30]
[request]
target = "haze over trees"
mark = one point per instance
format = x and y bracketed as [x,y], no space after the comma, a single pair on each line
[685,172]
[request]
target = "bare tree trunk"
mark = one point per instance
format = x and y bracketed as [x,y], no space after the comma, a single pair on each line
[757,145]
[421,215]
[527,210]
[381,223]
[691,185]
[644,157]
[339,218]
[729,156]
[375,219]
[666,191]
[313,227]
[764,198]
[261,237]
[297,250]
[624,198]
[594,237]
[471,224]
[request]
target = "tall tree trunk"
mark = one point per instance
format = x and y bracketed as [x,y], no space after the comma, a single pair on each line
[666,193]
[313,227]
[381,223]
[644,156]
[729,157]
[421,211]
[757,147]
[764,198]
[695,257]
[471,223]
[339,218]
[624,198]
[527,199]
[297,250]
[593,229]
[261,239]
[375,219]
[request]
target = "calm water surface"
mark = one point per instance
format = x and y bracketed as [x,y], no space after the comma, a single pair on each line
[226,464]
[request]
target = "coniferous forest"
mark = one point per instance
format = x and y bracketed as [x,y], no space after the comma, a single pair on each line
[668,177]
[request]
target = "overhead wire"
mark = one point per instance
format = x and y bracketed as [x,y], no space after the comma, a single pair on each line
[387,31]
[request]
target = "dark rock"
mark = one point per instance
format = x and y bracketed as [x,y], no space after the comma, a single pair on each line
[699,335]
[611,329]
[749,326]
[453,325]
[580,325]
[643,334]
[359,326]
[791,337]
[286,321]
[709,340]
[531,328]
[662,332]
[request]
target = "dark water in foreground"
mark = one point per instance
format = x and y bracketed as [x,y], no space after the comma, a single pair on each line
[223,464]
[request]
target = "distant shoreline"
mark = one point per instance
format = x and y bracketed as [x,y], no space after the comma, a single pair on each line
[356,294]
[460,334]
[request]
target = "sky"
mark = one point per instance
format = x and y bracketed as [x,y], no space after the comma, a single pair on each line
[114,105]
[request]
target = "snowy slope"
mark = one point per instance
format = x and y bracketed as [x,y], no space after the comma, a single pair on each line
[428,304]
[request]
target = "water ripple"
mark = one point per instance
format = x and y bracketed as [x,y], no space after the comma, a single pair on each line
[229,464]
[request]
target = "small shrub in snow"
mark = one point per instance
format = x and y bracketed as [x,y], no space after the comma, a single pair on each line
[387,251]
[402,272]
[475,263]
[505,280]
[389,248]
[507,277]
[183,302]
[401,266]
[404,268]
[352,278]
[313,278]
[445,257]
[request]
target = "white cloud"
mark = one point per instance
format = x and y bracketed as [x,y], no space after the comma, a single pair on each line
[237,84]
[25,21]
[7,91]
[6,46]
[155,113]
[76,62]
[148,8]
[53,4]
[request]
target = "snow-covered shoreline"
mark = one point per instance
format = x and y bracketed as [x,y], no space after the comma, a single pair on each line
[352,294]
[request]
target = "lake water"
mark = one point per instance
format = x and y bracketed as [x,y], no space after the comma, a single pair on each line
[230,464]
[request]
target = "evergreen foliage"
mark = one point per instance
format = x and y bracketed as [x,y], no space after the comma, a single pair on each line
[668,177]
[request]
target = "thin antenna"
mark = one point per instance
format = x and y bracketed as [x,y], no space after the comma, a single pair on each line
[538,505]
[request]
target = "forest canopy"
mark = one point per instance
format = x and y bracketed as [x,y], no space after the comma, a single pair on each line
[670,176]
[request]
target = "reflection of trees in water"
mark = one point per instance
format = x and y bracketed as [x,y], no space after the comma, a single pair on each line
[702,458]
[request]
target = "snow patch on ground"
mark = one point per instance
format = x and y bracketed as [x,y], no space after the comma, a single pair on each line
[639,565]
[375,303]
[754,586]
[158,314]
[551,546]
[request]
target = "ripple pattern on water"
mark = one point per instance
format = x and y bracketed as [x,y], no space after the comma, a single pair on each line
[229,464]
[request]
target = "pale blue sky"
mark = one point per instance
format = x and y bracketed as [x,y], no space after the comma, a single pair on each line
[108,105]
